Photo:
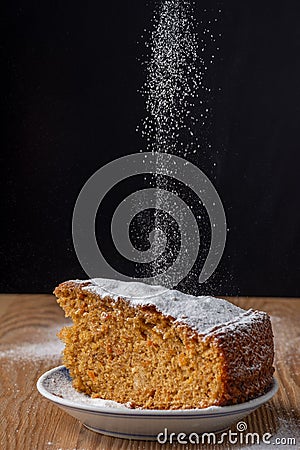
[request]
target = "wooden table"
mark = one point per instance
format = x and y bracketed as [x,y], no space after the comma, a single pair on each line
[29,347]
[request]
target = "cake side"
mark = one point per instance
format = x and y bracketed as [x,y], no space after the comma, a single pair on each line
[127,351]
[248,351]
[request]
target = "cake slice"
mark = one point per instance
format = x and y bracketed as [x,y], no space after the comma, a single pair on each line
[161,349]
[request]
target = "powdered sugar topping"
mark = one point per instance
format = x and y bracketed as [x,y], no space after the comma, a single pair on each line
[201,313]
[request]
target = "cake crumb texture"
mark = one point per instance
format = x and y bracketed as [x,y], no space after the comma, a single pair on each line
[131,350]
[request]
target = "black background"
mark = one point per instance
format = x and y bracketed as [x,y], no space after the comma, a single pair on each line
[70,105]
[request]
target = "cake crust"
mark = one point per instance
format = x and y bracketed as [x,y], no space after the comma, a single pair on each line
[132,350]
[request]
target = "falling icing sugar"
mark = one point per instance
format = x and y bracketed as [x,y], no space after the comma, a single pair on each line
[175,73]
[178,111]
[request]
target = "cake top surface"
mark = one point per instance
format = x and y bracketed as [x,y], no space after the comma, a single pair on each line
[202,313]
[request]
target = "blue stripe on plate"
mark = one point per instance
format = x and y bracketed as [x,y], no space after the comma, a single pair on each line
[149,436]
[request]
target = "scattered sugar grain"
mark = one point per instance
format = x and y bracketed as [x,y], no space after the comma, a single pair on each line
[46,346]
[39,351]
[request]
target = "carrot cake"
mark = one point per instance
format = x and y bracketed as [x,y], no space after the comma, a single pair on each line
[156,348]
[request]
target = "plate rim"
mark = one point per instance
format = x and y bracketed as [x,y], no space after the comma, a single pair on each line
[196,412]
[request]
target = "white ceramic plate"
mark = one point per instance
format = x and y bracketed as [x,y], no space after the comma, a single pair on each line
[147,424]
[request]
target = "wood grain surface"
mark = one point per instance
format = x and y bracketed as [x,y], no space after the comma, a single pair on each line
[29,347]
